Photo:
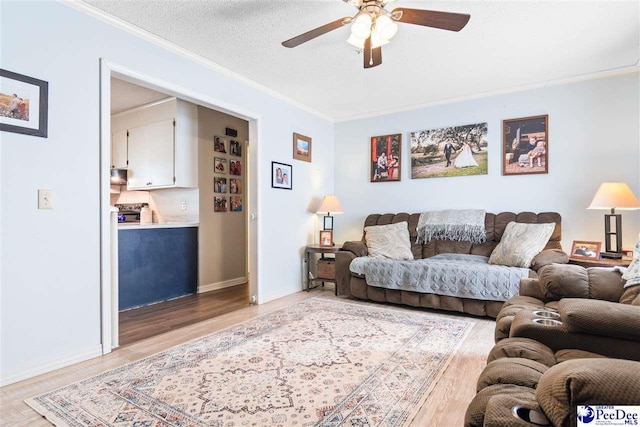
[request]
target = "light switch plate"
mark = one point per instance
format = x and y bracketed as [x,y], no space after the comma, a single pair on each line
[45,199]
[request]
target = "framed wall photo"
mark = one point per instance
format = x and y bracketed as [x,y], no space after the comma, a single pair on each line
[235,186]
[453,151]
[219,165]
[219,185]
[235,167]
[525,145]
[219,204]
[24,104]
[585,250]
[220,144]
[236,204]
[385,158]
[235,148]
[301,147]
[326,238]
[281,176]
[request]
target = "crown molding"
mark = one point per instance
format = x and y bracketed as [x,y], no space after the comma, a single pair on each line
[103,16]
[487,94]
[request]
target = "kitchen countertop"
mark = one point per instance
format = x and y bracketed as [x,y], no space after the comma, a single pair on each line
[138,226]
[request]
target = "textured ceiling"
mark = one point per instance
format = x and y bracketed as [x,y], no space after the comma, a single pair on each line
[507,44]
[125,96]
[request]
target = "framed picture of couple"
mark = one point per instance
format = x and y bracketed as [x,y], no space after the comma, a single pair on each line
[525,145]
[281,176]
[385,158]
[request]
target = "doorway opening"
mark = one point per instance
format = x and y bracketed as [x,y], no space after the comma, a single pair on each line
[190,258]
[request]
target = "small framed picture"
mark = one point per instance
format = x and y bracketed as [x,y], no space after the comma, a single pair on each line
[219,144]
[326,238]
[301,147]
[585,250]
[219,204]
[235,186]
[219,165]
[219,185]
[525,145]
[24,104]
[236,204]
[281,176]
[328,223]
[235,148]
[235,167]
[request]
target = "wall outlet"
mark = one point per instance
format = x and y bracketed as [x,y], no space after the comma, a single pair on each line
[183,205]
[45,199]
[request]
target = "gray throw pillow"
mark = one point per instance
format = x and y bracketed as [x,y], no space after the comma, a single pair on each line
[520,243]
[389,241]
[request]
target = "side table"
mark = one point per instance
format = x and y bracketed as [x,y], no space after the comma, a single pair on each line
[322,251]
[602,262]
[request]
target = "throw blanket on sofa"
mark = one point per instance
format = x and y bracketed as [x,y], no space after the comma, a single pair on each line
[457,275]
[451,224]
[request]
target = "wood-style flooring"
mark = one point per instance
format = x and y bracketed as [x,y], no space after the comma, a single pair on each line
[145,322]
[445,406]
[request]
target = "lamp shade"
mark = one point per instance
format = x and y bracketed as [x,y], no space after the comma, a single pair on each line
[614,195]
[331,204]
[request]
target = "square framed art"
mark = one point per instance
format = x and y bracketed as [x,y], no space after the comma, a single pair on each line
[281,176]
[301,147]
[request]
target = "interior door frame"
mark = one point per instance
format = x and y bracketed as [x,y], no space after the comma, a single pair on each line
[108,69]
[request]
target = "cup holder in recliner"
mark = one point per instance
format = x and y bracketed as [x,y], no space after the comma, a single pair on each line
[530,416]
[547,322]
[546,314]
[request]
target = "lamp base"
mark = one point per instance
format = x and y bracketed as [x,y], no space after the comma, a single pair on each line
[612,255]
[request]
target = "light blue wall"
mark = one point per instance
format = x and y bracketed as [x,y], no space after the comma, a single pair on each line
[594,136]
[50,267]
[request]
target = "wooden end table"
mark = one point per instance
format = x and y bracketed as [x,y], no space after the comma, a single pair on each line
[602,262]
[322,251]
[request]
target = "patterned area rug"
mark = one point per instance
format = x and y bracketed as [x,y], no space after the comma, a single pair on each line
[317,363]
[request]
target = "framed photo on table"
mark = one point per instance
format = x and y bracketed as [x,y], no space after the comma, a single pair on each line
[281,176]
[24,104]
[326,238]
[525,145]
[585,250]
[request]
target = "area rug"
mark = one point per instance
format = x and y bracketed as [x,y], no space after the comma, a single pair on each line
[322,362]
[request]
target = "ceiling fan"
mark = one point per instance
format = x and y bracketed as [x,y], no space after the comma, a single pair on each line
[373,26]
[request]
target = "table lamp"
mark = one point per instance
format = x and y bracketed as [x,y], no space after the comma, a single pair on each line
[614,195]
[331,205]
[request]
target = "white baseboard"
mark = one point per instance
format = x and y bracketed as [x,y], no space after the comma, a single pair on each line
[221,285]
[44,366]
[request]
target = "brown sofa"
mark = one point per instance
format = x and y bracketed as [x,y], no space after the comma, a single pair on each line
[595,312]
[351,284]
[526,383]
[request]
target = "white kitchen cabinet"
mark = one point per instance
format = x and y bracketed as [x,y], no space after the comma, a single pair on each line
[119,150]
[151,155]
[162,146]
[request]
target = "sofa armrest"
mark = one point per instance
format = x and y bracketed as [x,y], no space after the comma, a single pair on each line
[596,317]
[563,281]
[357,248]
[343,274]
[531,288]
[549,256]
[586,382]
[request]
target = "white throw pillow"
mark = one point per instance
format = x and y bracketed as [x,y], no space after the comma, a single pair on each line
[389,241]
[520,243]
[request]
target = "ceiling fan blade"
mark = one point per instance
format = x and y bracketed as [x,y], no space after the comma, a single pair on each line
[372,57]
[310,35]
[432,18]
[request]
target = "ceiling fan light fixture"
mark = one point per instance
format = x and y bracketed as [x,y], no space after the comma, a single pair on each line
[361,27]
[377,40]
[385,27]
[356,41]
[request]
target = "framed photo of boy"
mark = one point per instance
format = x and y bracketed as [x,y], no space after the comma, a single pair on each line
[326,238]
[585,250]
[281,176]
[385,158]
[301,147]
[525,145]
[24,104]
